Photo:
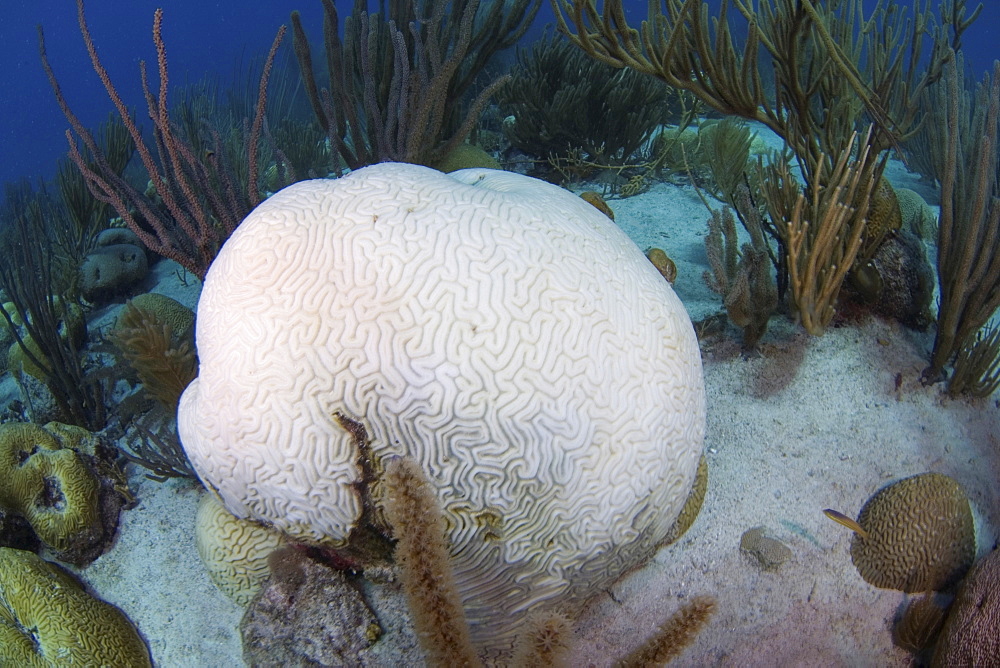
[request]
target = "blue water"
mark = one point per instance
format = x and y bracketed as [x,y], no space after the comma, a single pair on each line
[202,38]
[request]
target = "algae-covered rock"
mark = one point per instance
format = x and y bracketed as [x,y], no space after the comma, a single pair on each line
[47,619]
[308,615]
[769,553]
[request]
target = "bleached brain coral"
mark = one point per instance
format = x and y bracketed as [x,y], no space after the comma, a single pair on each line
[498,329]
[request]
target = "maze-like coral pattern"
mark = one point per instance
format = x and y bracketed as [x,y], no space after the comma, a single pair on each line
[234,551]
[498,329]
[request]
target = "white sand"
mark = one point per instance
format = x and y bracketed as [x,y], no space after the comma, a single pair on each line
[813,423]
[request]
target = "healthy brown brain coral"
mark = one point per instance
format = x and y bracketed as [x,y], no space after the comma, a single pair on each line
[920,535]
[47,619]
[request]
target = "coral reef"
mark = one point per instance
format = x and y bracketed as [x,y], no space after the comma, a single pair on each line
[48,619]
[51,486]
[920,535]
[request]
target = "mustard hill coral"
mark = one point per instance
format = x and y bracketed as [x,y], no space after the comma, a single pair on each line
[47,619]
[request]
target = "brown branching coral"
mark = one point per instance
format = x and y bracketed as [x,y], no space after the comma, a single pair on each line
[968,259]
[399,81]
[743,277]
[199,200]
[821,231]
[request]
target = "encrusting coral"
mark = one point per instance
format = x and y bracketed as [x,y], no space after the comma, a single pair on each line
[921,535]
[47,619]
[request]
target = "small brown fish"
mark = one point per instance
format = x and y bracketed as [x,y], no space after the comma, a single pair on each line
[841,518]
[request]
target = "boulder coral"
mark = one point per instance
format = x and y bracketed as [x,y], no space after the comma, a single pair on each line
[497,329]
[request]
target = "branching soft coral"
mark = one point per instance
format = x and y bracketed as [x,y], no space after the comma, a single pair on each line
[164,367]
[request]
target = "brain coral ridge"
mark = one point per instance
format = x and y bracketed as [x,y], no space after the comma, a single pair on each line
[921,535]
[499,330]
[49,484]
[47,619]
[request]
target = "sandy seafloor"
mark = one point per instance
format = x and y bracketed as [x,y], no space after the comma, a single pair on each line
[813,423]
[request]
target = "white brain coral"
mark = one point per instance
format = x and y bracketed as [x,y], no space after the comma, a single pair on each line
[498,329]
